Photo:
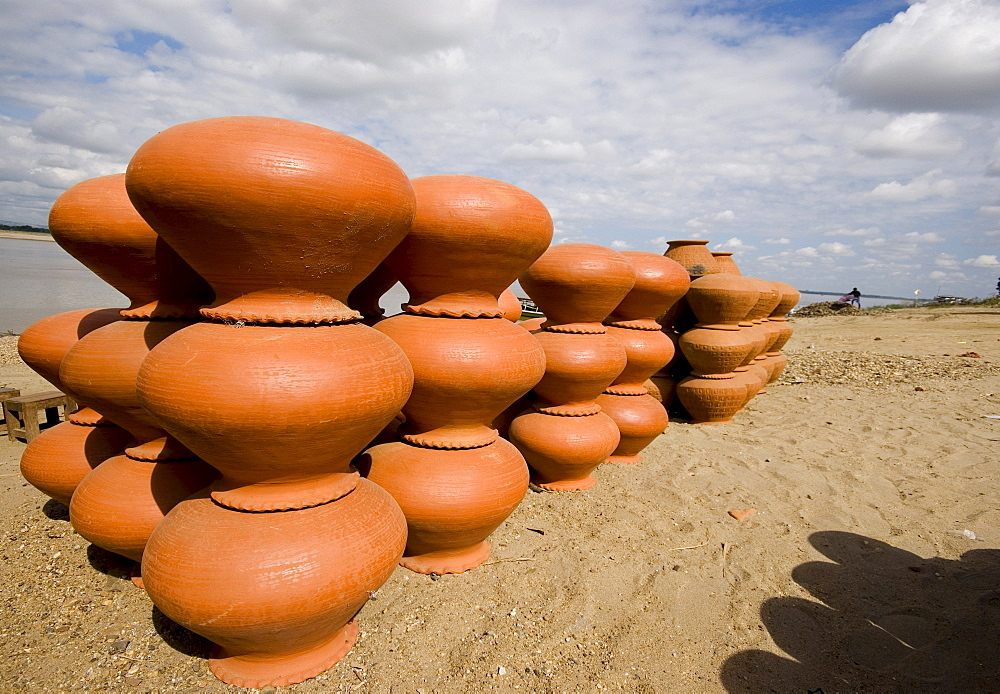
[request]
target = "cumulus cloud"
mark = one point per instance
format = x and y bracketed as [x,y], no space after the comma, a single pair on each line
[860,233]
[918,135]
[543,150]
[734,244]
[983,261]
[938,55]
[947,261]
[924,186]
[781,241]
[836,249]
[927,237]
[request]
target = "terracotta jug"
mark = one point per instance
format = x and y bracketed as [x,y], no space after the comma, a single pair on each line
[448,531]
[694,256]
[470,239]
[712,401]
[275,592]
[577,285]
[724,261]
[564,451]
[640,420]
[578,368]
[466,372]
[714,353]
[282,218]
[721,300]
[659,283]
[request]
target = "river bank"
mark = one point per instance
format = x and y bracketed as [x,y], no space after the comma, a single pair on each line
[871,467]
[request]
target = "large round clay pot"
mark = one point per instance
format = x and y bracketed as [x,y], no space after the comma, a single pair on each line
[663,388]
[276,592]
[282,218]
[510,305]
[58,459]
[279,411]
[724,261]
[364,298]
[711,400]
[776,364]
[693,255]
[577,285]
[532,324]
[448,531]
[646,351]
[119,503]
[659,283]
[44,343]
[466,372]
[563,452]
[716,353]
[767,299]
[750,381]
[97,224]
[470,238]
[789,297]
[721,300]
[578,368]
[639,418]
[101,368]
[761,374]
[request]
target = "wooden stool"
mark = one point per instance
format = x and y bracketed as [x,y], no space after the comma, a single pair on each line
[6,394]
[22,413]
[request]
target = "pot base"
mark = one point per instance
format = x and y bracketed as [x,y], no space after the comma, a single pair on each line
[567,485]
[624,459]
[448,561]
[284,496]
[281,671]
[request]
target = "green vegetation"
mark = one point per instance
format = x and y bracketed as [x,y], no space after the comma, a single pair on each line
[24,228]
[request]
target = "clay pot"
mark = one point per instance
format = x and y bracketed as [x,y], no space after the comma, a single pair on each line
[694,256]
[279,411]
[640,419]
[97,224]
[365,297]
[761,374]
[578,368]
[759,337]
[710,400]
[721,300]
[724,261]
[646,351]
[576,286]
[282,218]
[750,381]
[58,459]
[466,372]
[789,297]
[119,503]
[276,592]
[715,353]
[448,531]
[510,305]
[768,298]
[532,324]
[659,283]
[102,367]
[662,388]
[563,452]
[776,364]
[44,344]
[470,239]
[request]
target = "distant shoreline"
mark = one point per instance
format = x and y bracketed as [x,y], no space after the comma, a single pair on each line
[4,234]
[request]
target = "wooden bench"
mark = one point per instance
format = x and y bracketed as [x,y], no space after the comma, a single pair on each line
[22,413]
[6,394]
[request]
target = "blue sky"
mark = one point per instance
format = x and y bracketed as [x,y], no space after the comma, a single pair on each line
[828,144]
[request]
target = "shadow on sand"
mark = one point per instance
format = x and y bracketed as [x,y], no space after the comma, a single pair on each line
[884,620]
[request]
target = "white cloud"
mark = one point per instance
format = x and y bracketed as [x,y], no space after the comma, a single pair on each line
[990,210]
[620,245]
[543,150]
[947,261]
[919,188]
[734,244]
[938,275]
[918,135]
[860,233]
[808,252]
[782,241]
[983,261]
[928,237]
[938,55]
[836,249]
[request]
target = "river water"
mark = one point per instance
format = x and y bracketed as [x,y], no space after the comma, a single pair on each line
[38,279]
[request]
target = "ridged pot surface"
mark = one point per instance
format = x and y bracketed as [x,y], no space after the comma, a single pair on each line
[563,452]
[448,531]
[275,592]
[578,368]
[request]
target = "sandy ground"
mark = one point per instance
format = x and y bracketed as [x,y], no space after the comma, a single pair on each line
[865,466]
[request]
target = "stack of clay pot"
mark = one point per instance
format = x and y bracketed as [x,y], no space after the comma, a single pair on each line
[454,477]
[777,324]
[565,435]
[659,283]
[117,505]
[278,388]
